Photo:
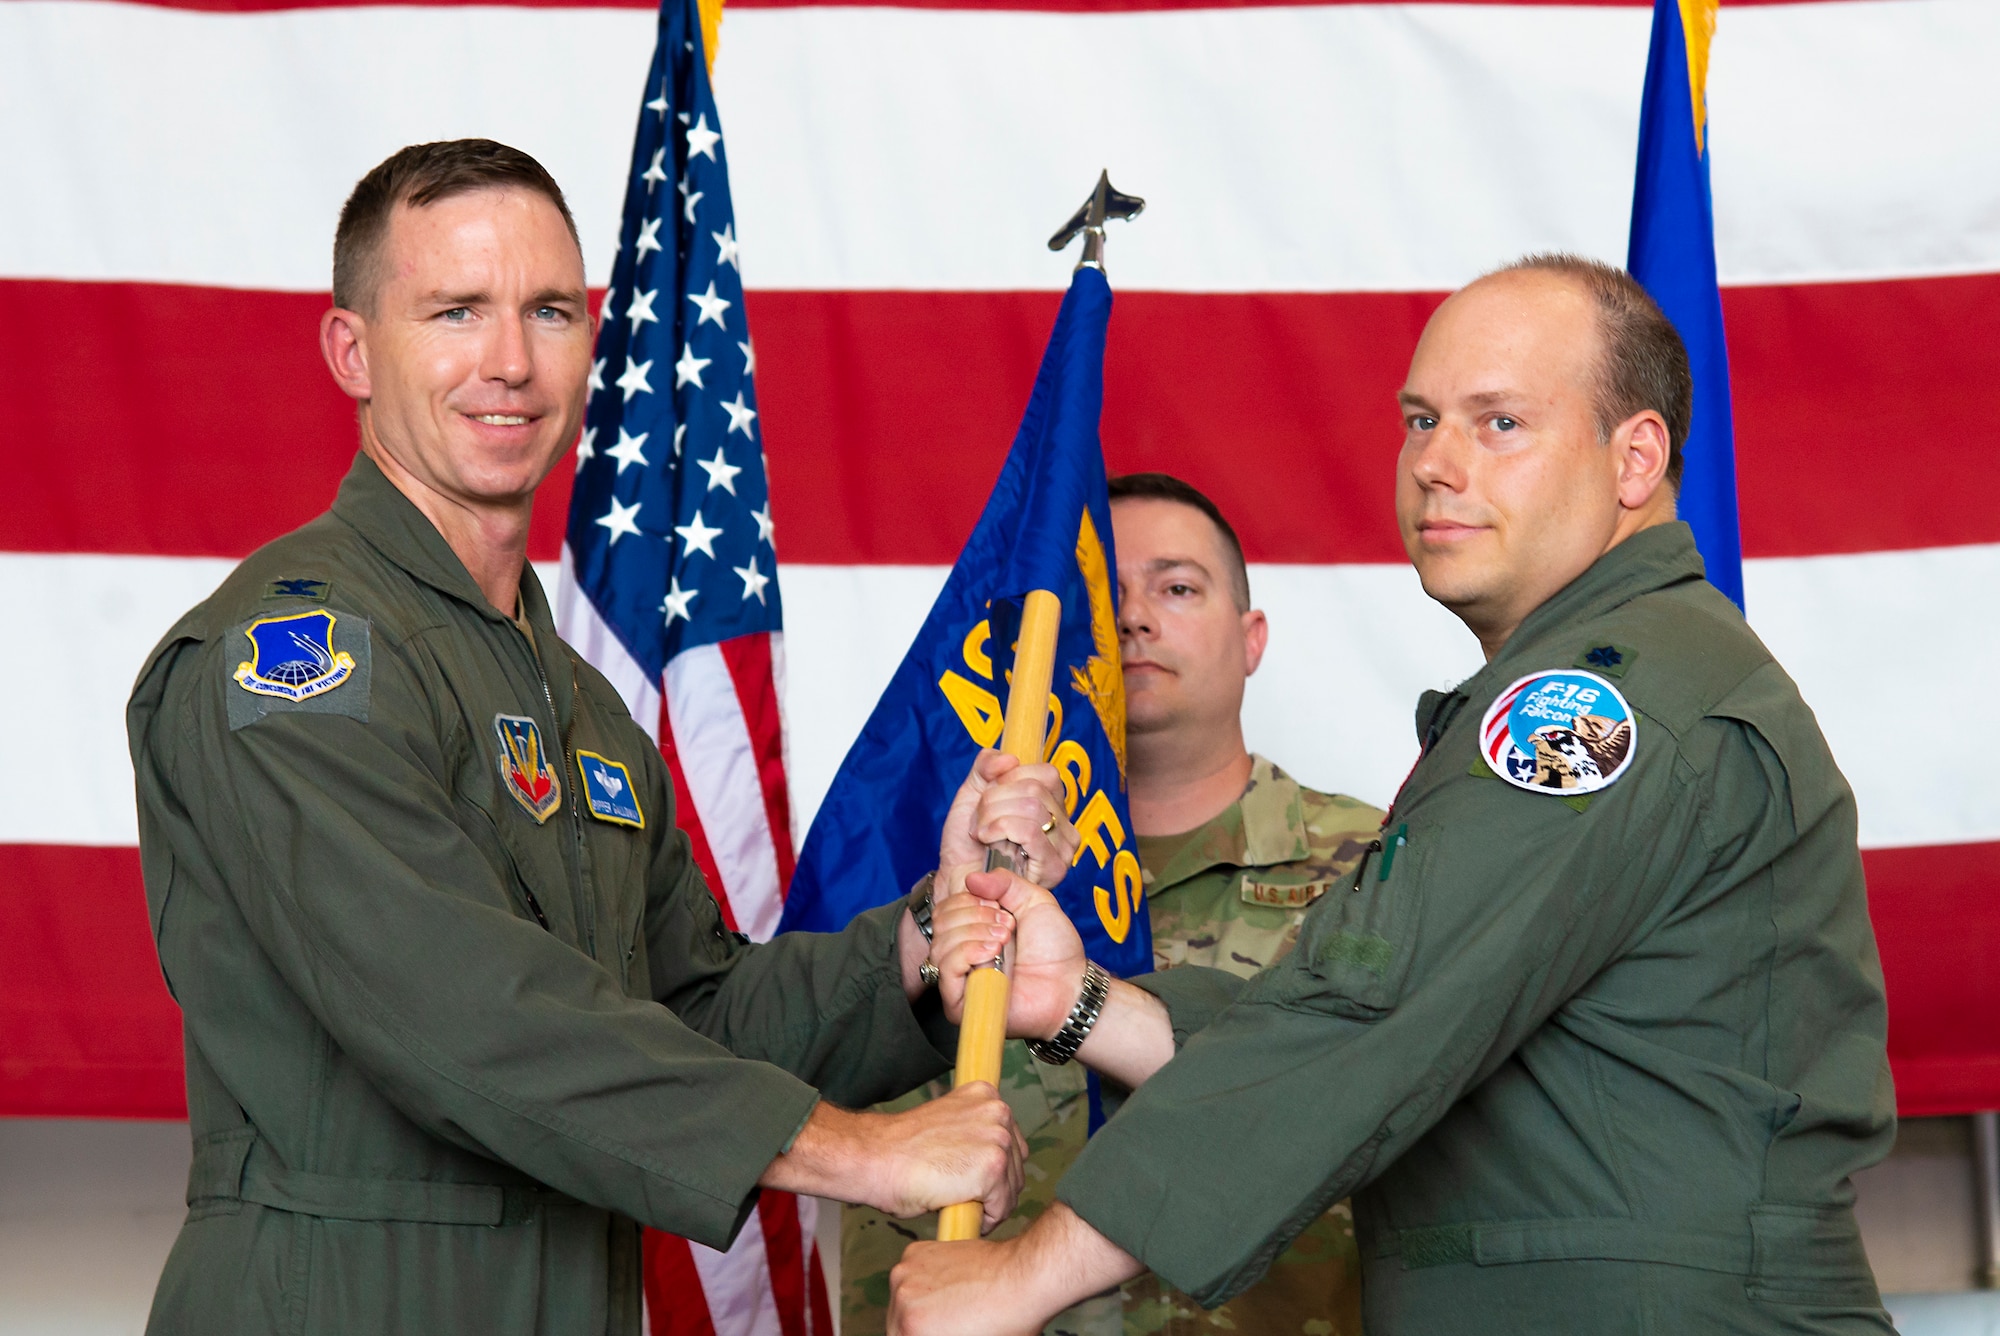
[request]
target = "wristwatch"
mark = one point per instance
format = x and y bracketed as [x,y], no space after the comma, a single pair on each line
[920,904]
[1082,1017]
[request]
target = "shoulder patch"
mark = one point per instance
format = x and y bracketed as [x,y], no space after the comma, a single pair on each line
[1282,897]
[1611,660]
[526,771]
[313,662]
[1564,731]
[316,590]
[608,790]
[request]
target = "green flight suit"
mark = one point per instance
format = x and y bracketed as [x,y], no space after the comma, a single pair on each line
[1596,1065]
[443,1054]
[1230,894]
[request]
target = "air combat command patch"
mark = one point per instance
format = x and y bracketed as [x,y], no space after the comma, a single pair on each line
[526,772]
[1565,731]
[608,791]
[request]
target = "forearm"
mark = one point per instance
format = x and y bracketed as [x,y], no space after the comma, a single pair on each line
[1061,1261]
[826,1159]
[835,1009]
[962,1147]
[1133,1038]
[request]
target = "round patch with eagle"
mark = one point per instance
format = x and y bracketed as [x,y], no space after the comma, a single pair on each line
[1564,731]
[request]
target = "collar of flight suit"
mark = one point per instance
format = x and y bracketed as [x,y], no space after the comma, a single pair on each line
[1265,826]
[1651,559]
[391,523]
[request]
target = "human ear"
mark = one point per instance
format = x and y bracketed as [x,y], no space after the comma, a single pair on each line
[1643,450]
[1256,636]
[343,342]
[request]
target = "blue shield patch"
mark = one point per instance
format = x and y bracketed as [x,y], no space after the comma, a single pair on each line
[292,657]
[608,790]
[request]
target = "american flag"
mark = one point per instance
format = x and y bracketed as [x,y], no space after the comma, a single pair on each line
[669,586]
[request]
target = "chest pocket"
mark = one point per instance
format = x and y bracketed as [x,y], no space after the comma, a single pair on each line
[619,849]
[524,855]
[1355,943]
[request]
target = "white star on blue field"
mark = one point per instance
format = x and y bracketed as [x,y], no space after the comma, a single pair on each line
[670,520]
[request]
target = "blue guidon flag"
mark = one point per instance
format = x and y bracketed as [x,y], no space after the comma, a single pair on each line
[1047,526]
[669,586]
[1672,253]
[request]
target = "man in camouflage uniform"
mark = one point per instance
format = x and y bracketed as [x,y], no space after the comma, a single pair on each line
[1253,849]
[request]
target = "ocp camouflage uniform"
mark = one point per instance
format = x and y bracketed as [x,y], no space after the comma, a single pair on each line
[1230,895]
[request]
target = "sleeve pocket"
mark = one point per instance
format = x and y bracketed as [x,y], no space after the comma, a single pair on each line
[1355,944]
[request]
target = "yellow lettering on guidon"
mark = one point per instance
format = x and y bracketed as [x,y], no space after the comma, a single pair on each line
[1116,907]
[977,708]
[976,658]
[1072,763]
[1099,819]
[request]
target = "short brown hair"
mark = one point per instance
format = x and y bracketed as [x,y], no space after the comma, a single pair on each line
[1645,363]
[1166,487]
[419,175]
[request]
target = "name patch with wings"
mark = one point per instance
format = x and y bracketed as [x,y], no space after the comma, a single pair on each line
[608,791]
[1565,731]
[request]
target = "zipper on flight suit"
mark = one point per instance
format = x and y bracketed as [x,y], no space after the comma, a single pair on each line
[585,914]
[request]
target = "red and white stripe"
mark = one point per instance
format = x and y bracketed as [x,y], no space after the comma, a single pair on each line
[1318,175]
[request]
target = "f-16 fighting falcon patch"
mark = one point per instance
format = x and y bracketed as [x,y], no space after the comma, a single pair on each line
[1566,732]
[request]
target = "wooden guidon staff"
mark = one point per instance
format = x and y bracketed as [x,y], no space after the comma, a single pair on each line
[983,1031]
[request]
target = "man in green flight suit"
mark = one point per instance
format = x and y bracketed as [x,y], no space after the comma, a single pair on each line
[1232,850]
[460,1011]
[1597,1036]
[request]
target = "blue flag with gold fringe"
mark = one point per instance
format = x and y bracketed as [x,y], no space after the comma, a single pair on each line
[1672,253]
[1047,525]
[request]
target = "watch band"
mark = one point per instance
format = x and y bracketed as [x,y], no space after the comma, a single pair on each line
[1082,1017]
[920,903]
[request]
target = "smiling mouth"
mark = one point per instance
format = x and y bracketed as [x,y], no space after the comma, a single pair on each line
[501,419]
[1448,529]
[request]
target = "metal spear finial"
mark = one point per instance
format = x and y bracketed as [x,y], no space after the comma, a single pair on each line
[1104,202]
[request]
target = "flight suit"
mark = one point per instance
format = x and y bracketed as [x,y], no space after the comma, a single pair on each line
[459,1008]
[1589,1062]
[1230,894]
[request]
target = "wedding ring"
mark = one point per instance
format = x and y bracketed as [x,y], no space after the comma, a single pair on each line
[1048,825]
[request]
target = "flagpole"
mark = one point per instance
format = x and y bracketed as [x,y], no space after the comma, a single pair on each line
[982,1033]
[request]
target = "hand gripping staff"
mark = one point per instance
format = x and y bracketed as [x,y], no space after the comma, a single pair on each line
[983,1031]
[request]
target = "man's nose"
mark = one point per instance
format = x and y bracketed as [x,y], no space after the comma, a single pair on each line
[1440,459]
[1135,616]
[508,358]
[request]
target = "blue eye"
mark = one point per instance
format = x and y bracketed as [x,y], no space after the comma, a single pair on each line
[1504,423]
[1422,422]
[458,315]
